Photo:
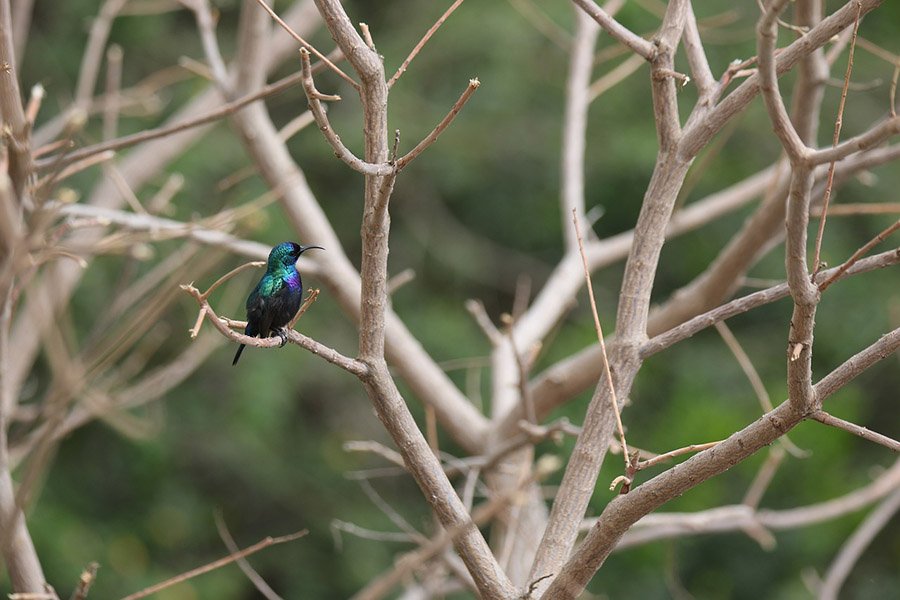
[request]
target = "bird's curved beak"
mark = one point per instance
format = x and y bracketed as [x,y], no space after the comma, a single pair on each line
[305,248]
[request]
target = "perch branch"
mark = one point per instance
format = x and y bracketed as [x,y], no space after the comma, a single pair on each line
[350,365]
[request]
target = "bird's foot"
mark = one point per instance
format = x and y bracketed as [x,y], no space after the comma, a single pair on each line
[283,335]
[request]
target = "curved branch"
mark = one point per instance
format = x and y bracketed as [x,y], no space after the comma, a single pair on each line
[351,365]
[315,106]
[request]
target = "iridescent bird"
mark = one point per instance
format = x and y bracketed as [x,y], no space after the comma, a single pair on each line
[278,295]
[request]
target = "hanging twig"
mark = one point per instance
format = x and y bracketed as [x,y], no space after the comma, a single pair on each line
[606,371]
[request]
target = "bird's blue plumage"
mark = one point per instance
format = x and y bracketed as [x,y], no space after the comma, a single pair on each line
[278,295]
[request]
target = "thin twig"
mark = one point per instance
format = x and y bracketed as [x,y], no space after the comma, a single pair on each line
[307,46]
[745,303]
[828,419]
[479,313]
[152,134]
[859,254]
[74,168]
[85,581]
[445,122]
[418,47]
[764,477]
[313,294]
[859,208]
[650,462]
[606,371]
[381,450]
[261,545]
[390,513]
[755,381]
[893,93]
[253,264]
[371,534]
[834,142]
[618,31]
[34,103]
[255,578]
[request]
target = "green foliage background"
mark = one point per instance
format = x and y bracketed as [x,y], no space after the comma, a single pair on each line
[262,442]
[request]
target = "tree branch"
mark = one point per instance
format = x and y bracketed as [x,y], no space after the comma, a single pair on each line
[618,31]
[867,434]
[624,510]
[350,365]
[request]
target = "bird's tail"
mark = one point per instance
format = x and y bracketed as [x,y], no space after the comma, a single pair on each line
[248,330]
[237,355]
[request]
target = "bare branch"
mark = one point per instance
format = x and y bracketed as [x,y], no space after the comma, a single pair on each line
[307,46]
[606,371]
[440,127]
[261,545]
[834,142]
[652,462]
[619,32]
[624,510]
[754,300]
[693,47]
[855,546]
[390,407]
[478,312]
[581,63]
[699,132]
[855,257]
[379,587]
[207,26]
[350,365]
[258,582]
[767,36]
[867,434]
[315,106]
[418,47]
[159,132]
[85,580]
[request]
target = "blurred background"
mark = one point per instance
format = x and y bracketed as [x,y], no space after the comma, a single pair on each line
[262,443]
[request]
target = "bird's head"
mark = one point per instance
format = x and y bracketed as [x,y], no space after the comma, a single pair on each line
[286,254]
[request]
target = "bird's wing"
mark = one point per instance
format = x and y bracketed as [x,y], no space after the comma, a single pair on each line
[259,317]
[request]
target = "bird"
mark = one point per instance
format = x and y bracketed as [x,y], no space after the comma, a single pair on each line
[277,297]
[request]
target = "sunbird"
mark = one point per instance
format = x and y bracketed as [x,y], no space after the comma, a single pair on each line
[278,295]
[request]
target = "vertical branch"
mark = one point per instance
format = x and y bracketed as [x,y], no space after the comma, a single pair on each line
[21,165]
[804,293]
[22,563]
[581,62]
[634,304]
[381,388]
[838,122]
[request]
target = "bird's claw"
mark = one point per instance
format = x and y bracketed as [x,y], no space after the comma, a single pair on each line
[283,335]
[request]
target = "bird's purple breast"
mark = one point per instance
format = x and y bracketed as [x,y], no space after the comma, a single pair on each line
[293,281]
